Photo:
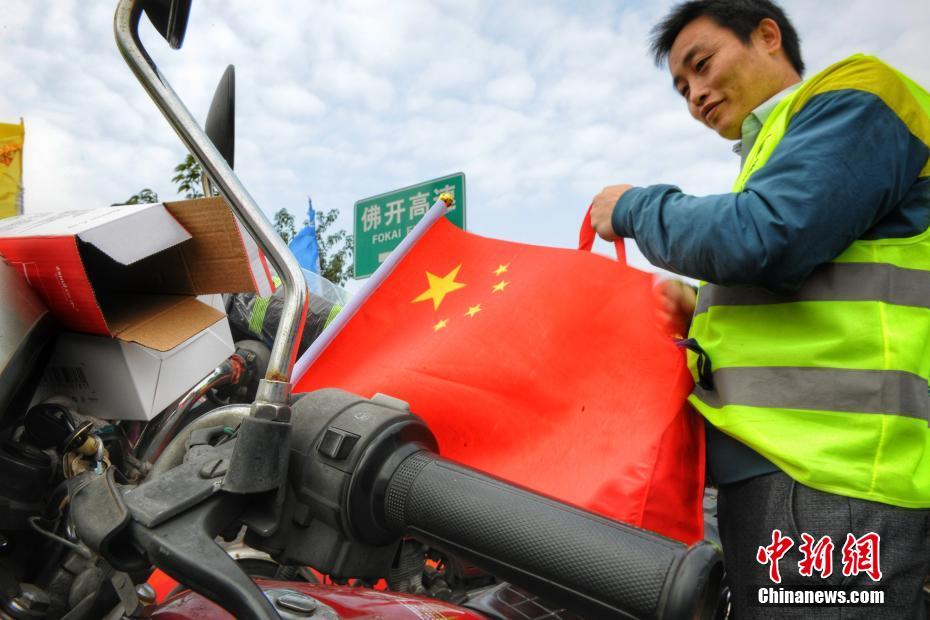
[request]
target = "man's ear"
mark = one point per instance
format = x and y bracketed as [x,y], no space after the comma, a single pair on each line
[768,35]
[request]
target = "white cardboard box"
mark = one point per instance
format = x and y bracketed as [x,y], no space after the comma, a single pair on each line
[115,380]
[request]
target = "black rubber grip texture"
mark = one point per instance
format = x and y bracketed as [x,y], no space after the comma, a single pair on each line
[395,501]
[535,541]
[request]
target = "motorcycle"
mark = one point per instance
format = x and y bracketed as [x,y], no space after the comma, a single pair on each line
[249,496]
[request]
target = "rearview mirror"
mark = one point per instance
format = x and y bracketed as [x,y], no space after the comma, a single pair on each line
[221,118]
[169,18]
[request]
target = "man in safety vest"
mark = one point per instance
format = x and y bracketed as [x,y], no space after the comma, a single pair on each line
[810,339]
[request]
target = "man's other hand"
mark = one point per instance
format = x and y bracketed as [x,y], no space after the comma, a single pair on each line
[603,208]
[675,302]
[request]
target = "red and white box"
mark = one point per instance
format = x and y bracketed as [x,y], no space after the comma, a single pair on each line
[123,282]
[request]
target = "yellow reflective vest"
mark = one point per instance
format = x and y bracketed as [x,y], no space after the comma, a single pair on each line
[831,383]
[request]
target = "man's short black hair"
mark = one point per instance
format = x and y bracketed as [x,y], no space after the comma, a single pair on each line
[739,16]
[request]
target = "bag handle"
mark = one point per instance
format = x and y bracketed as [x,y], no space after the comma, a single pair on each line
[586,238]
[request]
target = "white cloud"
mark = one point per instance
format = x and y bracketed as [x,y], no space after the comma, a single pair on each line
[292,101]
[540,104]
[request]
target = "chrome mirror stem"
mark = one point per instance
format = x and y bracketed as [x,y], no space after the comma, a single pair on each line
[275,387]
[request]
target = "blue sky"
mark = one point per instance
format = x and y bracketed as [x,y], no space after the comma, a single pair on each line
[540,103]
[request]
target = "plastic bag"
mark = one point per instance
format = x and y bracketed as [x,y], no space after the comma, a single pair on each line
[258,317]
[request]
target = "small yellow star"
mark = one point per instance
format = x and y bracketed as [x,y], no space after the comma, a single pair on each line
[440,325]
[473,310]
[500,286]
[501,269]
[440,287]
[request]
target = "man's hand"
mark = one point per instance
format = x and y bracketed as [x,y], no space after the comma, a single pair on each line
[603,208]
[675,302]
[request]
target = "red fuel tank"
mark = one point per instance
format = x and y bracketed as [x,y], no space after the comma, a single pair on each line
[297,600]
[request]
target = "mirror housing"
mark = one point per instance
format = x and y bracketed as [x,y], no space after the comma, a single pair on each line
[169,18]
[221,118]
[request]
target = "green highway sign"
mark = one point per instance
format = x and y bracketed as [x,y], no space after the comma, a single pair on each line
[382,221]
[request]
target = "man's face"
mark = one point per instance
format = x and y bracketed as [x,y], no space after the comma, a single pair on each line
[721,78]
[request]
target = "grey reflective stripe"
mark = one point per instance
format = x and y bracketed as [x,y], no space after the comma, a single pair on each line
[833,282]
[826,389]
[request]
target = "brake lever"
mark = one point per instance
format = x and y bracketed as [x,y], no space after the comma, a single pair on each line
[173,519]
[184,547]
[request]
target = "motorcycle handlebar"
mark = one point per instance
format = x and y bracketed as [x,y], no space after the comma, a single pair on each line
[592,565]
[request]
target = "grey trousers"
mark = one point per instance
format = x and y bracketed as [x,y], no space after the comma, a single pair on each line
[748,512]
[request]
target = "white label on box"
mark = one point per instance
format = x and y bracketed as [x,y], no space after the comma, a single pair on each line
[73,381]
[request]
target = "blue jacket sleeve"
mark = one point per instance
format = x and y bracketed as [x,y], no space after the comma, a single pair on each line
[845,162]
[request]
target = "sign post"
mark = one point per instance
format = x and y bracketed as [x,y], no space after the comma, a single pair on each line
[382,221]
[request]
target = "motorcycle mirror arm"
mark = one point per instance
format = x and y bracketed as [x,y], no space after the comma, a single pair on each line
[274,389]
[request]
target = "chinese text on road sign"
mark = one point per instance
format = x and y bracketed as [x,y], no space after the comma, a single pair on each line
[381,222]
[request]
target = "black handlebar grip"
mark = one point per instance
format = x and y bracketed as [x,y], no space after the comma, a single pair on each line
[592,565]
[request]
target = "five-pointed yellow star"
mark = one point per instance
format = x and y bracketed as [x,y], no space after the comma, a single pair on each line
[501,269]
[473,310]
[500,286]
[440,287]
[440,325]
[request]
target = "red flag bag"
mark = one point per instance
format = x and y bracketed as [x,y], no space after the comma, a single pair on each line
[543,366]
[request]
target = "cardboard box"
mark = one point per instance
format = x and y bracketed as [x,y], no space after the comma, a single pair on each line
[127,278]
[115,380]
[132,272]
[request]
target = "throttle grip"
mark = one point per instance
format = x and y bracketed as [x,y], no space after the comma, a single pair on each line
[590,564]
